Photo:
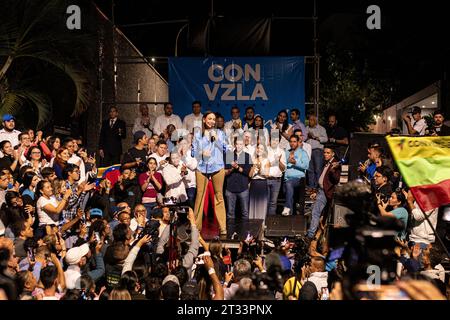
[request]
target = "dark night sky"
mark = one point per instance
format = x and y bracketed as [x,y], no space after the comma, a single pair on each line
[411,46]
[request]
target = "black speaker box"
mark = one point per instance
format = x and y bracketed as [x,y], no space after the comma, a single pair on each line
[290,226]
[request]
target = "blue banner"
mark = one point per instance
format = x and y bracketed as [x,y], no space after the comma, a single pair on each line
[269,84]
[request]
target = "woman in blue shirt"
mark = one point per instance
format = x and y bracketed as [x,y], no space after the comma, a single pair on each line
[209,146]
[397,202]
[30,181]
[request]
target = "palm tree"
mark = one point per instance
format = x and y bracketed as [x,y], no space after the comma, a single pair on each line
[33,32]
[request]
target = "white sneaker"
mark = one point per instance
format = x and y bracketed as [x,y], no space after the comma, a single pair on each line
[286,212]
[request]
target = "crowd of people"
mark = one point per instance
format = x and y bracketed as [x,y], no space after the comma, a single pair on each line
[65,234]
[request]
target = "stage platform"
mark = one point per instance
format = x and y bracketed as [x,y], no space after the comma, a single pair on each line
[237,230]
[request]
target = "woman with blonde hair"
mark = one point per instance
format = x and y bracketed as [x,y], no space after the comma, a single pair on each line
[119,294]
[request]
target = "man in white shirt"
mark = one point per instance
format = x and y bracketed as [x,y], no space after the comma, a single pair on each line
[233,128]
[69,143]
[139,219]
[417,125]
[167,118]
[249,146]
[317,135]
[277,160]
[145,122]
[160,155]
[75,258]
[195,118]
[9,132]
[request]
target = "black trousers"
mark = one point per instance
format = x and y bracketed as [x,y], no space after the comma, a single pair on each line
[110,159]
[301,196]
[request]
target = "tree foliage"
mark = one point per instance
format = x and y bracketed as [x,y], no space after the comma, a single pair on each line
[352,90]
[33,32]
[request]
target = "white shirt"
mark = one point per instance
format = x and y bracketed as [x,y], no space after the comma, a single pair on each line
[46,218]
[73,275]
[274,155]
[421,231]
[319,132]
[163,121]
[307,147]
[191,121]
[420,126]
[159,159]
[174,182]
[134,224]
[74,159]
[138,126]
[284,143]
[191,164]
[12,136]
[229,124]
[250,149]
[112,122]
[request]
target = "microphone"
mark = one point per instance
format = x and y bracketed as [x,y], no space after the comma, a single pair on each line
[212,135]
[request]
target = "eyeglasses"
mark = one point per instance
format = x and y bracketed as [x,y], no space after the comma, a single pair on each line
[36,152]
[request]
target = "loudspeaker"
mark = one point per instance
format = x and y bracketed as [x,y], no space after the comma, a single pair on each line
[339,213]
[291,226]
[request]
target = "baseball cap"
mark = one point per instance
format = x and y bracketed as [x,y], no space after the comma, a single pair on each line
[138,135]
[172,278]
[415,110]
[75,254]
[8,117]
[96,212]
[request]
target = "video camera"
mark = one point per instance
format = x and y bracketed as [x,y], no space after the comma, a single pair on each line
[151,228]
[369,239]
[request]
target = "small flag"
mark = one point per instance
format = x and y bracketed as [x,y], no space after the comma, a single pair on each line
[111,173]
[424,163]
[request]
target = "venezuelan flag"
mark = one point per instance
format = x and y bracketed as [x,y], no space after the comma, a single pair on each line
[424,163]
[111,173]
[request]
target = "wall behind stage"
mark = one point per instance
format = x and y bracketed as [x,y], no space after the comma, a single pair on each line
[270,84]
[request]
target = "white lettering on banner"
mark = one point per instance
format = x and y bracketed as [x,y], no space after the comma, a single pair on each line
[259,92]
[234,91]
[240,96]
[211,75]
[227,95]
[211,93]
[233,76]
[256,73]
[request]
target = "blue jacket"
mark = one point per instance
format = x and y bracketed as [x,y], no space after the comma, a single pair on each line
[297,170]
[215,162]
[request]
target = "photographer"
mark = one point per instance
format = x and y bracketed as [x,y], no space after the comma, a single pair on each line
[132,255]
[438,128]
[417,125]
[421,231]
[396,201]
[188,258]
[382,184]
